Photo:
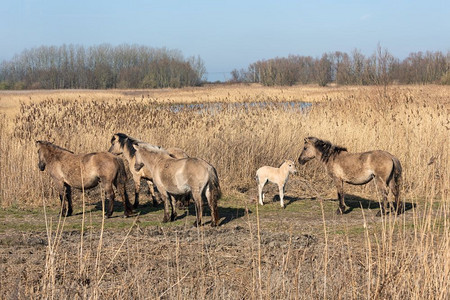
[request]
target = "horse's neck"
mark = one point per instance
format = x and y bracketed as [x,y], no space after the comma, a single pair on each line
[127,153]
[284,169]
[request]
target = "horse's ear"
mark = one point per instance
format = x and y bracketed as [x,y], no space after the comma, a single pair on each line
[136,147]
[38,143]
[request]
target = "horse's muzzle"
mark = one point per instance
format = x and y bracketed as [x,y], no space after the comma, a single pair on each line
[302,161]
[41,166]
[137,167]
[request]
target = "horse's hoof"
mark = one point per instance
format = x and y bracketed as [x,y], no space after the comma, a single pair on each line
[173,217]
[195,224]
[340,211]
[135,205]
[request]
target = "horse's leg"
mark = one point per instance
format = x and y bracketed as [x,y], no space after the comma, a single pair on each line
[60,186]
[109,198]
[151,190]
[260,192]
[340,192]
[137,187]
[281,191]
[198,207]
[122,190]
[68,193]
[212,202]
[394,185]
[382,187]
[167,205]
[173,203]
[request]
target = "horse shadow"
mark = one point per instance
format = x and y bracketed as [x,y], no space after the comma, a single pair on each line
[226,214]
[354,201]
[142,209]
[288,200]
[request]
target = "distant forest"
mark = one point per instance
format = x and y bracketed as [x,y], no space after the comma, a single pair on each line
[100,67]
[381,68]
[134,66]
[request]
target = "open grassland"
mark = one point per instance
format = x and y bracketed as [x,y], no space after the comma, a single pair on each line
[304,251]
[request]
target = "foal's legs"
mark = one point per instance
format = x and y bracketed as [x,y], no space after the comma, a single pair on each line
[281,191]
[260,191]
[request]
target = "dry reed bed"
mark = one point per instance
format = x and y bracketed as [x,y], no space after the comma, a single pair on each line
[396,258]
[406,122]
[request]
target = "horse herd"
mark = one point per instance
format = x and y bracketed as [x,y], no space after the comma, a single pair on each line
[178,176]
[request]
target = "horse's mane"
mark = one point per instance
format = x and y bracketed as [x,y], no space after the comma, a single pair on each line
[53,146]
[154,149]
[127,142]
[327,149]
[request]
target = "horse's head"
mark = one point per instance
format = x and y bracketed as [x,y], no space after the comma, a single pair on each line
[308,152]
[138,162]
[291,166]
[42,155]
[116,147]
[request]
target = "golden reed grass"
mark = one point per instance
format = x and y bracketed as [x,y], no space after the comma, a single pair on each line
[395,260]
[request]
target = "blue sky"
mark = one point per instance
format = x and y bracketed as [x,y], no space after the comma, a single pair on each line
[229,34]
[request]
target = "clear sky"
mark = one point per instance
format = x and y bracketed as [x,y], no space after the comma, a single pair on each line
[229,34]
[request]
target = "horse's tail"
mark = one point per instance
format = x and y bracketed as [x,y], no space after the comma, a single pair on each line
[396,181]
[121,185]
[215,194]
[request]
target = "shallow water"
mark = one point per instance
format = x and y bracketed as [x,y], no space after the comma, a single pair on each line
[246,106]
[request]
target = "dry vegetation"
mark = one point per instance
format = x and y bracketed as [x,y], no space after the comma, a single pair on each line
[304,251]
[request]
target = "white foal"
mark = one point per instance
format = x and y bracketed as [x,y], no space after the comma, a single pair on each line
[278,176]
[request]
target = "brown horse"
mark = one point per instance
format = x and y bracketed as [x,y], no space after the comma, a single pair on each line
[83,171]
[183,176]
[356,168]
[123,144]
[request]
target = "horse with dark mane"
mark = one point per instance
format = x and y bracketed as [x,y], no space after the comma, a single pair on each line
[356,168]
[123,144]
[83,171]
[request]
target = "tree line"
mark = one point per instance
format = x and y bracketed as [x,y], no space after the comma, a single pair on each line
[100,67]
[380,68]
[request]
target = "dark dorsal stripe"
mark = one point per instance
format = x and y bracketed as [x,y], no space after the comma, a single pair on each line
[327,149]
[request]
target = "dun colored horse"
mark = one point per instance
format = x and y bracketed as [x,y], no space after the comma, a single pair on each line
[83,171]
[123,144]
[356,168]
[279,176]
[173,176]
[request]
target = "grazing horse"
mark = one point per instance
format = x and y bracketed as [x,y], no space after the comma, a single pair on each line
[173,176]
[356,168]
[84,171]
[278,176]
[123,144]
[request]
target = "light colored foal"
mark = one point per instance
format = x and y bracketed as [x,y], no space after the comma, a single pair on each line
[278,176]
